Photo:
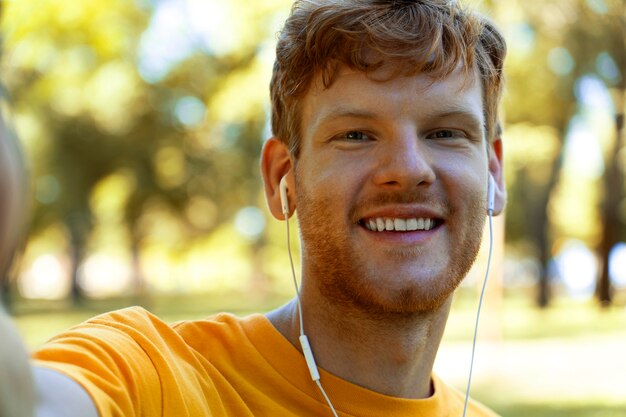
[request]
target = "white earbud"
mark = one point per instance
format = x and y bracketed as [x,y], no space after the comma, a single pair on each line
[284,199]
[491,194]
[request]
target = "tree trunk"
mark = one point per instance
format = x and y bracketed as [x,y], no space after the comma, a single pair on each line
[140,291]
[613,191]
[78,225]
[541,230]
[77,295]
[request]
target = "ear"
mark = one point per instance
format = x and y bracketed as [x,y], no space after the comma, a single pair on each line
[496,171]
[276,163]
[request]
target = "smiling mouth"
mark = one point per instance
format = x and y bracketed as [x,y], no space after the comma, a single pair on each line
[389,224]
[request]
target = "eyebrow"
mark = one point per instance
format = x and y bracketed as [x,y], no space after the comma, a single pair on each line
[344,112]
[348,112]
[465,114]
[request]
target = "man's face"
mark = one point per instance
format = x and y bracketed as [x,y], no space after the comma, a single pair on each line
[391,187]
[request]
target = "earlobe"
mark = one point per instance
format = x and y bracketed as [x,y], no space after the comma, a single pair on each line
[276,164]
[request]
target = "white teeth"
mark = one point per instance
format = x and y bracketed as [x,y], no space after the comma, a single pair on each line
[381,224]
[399,224]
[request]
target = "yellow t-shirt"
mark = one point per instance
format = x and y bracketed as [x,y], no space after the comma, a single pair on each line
[133,364]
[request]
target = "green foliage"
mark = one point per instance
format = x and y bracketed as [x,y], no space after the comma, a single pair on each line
[169,159]
[167,147]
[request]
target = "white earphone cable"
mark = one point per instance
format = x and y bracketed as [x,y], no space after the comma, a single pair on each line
[293,274]
[302,335]
[480,303]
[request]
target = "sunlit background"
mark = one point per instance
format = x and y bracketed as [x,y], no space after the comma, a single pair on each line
[142,122]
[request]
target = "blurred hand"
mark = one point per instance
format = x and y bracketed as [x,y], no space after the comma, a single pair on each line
[17,392]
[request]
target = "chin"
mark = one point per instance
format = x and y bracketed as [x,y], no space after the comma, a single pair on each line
[372,299]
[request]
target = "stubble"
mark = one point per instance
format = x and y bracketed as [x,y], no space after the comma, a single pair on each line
[333,265]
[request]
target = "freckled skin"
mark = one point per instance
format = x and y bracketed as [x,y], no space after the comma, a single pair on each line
[400,161]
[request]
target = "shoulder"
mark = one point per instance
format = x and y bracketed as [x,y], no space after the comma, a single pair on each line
[125,327]
[127,360]
[135,328]
[104,356]
[130,316]
[218,331]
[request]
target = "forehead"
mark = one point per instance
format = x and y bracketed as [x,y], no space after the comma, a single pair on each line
[381,96]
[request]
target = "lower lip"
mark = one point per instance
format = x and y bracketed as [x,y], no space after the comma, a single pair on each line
[415,237]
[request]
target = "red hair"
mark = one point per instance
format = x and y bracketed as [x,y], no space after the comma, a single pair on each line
[417,36]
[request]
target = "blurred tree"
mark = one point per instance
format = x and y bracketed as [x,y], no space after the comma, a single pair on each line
[183,144]
[64,67]
[553,45]
[180,144]
[598,44]
[540,96]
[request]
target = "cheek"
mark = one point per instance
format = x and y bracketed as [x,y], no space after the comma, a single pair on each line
[333,178]
[464,180]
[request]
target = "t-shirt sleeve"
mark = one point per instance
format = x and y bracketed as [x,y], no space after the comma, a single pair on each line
[118,358]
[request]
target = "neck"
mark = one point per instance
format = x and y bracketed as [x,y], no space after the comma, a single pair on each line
[391,354]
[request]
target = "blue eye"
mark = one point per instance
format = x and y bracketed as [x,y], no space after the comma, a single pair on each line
[356,135]
[448,134]
[353,136]
[442,134]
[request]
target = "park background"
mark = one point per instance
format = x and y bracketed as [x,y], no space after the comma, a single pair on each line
[141,124]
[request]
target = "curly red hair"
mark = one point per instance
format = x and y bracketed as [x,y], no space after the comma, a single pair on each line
[416,36]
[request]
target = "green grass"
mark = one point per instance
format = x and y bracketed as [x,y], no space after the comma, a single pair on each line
[39,320]
[519,319]
[561,410]
[512,401]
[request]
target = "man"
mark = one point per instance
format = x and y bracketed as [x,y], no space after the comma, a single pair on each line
[384,120]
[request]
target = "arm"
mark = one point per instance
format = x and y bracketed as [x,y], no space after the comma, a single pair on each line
[27,391]
[16,383]
[17,392]
[59,395]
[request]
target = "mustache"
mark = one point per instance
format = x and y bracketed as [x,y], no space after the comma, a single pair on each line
[390,198]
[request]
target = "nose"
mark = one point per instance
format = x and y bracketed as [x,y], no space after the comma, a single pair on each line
[404,162]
